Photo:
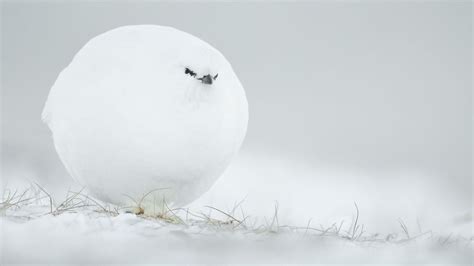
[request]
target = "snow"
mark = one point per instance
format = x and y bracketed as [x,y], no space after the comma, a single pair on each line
[88,238]
[439,231]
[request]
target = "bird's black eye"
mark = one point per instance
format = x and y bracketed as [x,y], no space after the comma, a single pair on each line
[189,72]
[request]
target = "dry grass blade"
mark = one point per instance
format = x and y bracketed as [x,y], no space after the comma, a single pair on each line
[355,227]
[174,217]
[14,200]
[238,205]
[275,223]
[404,228]
[226,214]
[148,193]
[114,212]
[70,203]
[138,203]
[340,226]
[48,195]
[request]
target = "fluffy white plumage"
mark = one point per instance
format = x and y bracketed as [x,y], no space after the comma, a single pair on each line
[127,118]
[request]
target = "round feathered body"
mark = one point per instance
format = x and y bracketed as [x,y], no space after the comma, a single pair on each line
[147,111]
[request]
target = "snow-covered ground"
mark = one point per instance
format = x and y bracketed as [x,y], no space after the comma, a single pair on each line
[282,210]
[86,237]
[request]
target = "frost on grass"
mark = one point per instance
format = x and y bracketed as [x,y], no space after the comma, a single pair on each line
[84,230]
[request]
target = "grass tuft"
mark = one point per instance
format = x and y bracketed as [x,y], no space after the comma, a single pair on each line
[233,220]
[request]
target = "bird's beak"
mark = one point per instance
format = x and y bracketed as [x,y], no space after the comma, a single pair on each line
[206,79]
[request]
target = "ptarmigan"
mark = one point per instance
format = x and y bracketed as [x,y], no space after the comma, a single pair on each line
[148,111]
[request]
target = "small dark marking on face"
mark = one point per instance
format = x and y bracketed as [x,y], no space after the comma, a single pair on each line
[189,72]
[206,79]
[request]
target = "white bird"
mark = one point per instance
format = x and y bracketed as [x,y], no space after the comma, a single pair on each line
[147,109]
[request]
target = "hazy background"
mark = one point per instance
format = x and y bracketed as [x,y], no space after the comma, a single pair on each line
[373,89]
